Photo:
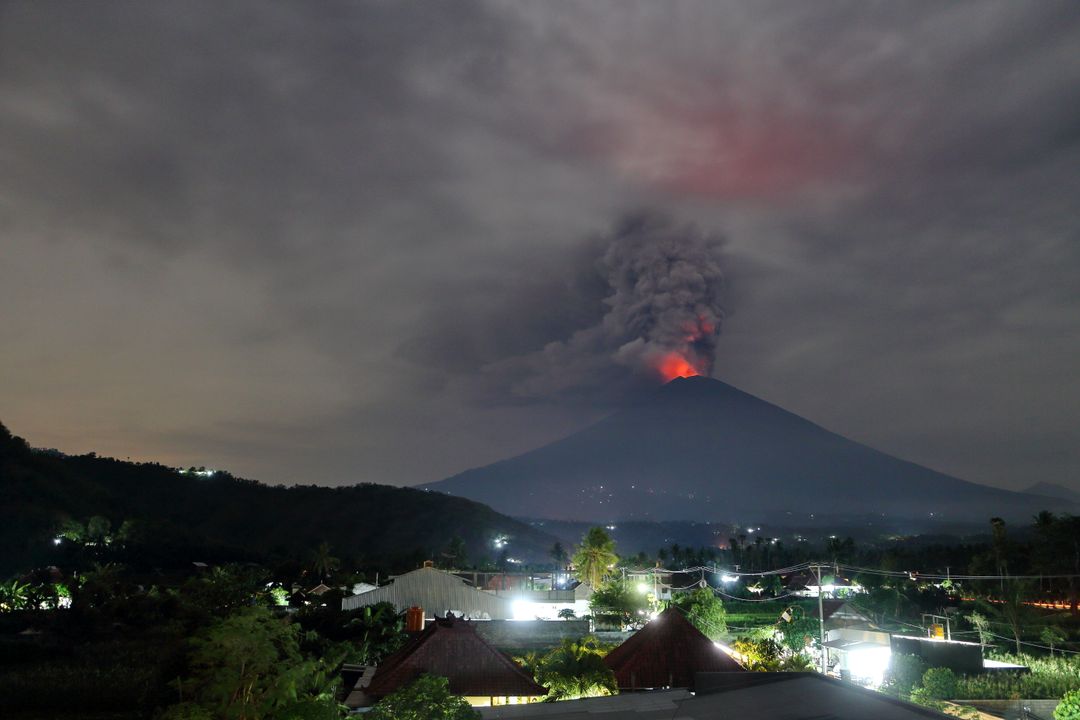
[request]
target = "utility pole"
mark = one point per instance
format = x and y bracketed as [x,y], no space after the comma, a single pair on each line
[821,623]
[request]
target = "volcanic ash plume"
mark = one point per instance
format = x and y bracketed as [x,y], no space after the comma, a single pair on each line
[661,294]
[665,304]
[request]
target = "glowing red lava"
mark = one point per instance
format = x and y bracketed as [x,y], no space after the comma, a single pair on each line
[673,365]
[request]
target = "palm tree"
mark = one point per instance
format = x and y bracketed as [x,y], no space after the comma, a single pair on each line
[573,670]
[322,562]
[455,552]
[14,595]
[558,554]
[1052,636]
[1012,610]
[997,527]
[594,557]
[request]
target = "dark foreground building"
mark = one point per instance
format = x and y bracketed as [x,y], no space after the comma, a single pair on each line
[723,696]
[667,653]
[451,648]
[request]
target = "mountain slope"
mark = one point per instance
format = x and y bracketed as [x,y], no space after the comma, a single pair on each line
[189,518]
[1053,490]
[699,449]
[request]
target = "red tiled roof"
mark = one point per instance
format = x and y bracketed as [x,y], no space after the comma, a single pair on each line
[451,648]
[666,653]
[506,582]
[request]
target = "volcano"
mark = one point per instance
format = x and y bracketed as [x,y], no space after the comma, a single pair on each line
[699,449]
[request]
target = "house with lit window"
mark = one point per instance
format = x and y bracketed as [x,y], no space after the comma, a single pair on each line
[450,647]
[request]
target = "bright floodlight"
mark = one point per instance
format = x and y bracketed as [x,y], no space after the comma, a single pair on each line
[524,610]
[642,588]
[869,664]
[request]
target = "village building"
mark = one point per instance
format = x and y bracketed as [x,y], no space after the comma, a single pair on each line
[723,695]
[805,584]
[438,593]
[480,596]
[450,647]
[841,613]
[667,653]
[536,595]
[859,652]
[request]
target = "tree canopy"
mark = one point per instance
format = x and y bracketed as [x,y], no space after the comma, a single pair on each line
[594,557]
[428,698]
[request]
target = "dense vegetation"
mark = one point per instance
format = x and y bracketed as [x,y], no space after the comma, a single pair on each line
[171,518]
[220,643]
[137,588]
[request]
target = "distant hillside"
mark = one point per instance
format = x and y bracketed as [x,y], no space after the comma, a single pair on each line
[1054,490]
[699,449]
[221,517]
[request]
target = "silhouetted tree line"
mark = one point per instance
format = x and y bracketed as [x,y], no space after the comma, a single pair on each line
[161,518]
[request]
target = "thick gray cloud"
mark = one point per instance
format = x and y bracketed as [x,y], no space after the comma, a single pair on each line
[307,242]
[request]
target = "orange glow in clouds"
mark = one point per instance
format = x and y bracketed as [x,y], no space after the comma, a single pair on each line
[673,365]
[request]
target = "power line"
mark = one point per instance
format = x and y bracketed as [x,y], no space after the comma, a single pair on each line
[1025,642]
[950,576]
[912,574]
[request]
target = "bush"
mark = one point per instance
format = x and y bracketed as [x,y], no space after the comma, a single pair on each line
[904,674]
[761,654]
[428,698]
[619,605]
[705,611]
[1069,707]
[573,670]
[939,684]
[1050,678]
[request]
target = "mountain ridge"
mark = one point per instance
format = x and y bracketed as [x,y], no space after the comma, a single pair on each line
[1053,490]
[700,449]
[225,518]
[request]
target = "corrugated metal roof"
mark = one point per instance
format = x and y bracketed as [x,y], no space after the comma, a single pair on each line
[437,592]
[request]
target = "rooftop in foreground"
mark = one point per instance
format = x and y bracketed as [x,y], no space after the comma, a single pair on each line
[763,696]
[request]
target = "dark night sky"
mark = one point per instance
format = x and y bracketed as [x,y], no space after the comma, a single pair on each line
[325,243]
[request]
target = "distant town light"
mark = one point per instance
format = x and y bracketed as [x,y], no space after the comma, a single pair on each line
[58,539]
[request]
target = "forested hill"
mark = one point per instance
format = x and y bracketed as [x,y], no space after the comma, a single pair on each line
[171,517]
